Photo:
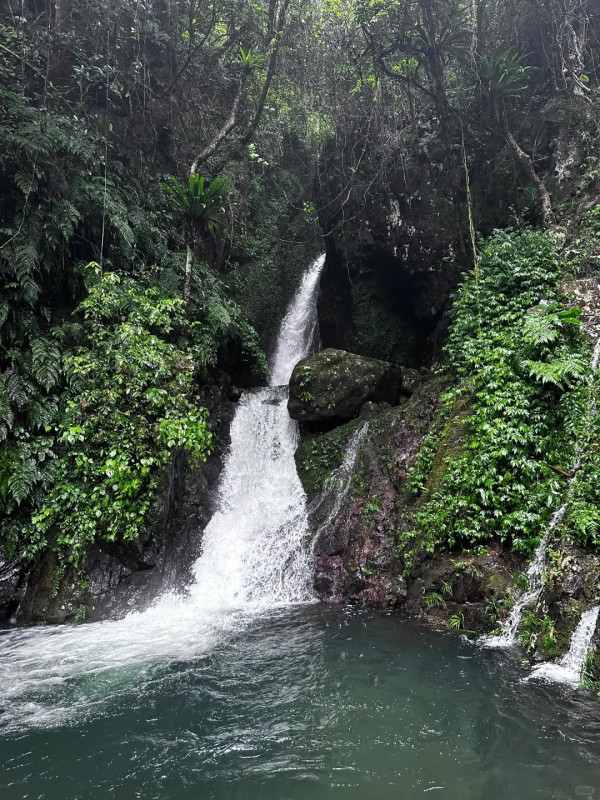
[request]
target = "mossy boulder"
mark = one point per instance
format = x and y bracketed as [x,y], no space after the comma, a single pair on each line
[334,384]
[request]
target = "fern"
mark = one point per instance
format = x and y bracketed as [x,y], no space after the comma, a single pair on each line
[46,362]
[561,371]
[25,475]
[548,322]
[6,414]
[42,412]
[18,389]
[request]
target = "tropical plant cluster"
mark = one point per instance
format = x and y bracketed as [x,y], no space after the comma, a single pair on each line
[521,393]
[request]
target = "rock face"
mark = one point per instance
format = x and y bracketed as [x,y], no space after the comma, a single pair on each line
[12,588]
[354,476]
[334,384]
[585,293]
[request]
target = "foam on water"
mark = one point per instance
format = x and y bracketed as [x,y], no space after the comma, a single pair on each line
[254,559]
[569,669]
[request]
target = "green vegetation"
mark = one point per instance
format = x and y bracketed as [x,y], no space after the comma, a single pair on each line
[520,365]
[538,632]
[87,465]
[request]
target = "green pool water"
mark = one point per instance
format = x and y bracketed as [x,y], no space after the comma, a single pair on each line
[313,703]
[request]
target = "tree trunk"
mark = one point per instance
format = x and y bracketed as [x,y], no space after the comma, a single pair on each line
[228,126]
[274,34]
[527,163]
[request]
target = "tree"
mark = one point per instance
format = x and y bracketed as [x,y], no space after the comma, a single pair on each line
[502,77]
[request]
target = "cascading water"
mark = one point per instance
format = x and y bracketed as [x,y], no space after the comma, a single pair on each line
[570,667]
[337,492]
[510,627]
[297,333]
[254,558]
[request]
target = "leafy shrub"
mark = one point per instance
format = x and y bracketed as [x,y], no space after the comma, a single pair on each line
[515,355]
[129,403]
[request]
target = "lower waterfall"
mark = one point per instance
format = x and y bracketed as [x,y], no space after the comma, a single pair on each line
[570,667]
[254,558]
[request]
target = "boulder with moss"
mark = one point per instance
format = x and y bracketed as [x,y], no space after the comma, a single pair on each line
[334,385]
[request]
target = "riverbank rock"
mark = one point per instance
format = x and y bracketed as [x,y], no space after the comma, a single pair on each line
[463,590]
[334,384]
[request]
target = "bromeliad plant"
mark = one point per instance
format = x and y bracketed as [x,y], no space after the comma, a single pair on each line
[200,207]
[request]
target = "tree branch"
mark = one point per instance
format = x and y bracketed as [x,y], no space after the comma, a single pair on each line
[225,130]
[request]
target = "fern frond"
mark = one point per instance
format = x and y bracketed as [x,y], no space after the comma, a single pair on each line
[18,389]
[23,479]
[42,412]
[46,362]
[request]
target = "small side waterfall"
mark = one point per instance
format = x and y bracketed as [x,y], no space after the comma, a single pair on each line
[333,498]
[535,572]
[510,627]
[255,557]
[570,667]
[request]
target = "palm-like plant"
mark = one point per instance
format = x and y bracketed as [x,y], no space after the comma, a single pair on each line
[200,205]
[503,76]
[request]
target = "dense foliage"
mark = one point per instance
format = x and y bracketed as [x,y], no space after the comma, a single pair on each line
[521,366]
[132,133]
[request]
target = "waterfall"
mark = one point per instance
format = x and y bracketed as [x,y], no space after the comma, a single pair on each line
[297,332]
[254,558]
[254,547]
[510,627]
[336,493]
[570,667]
[535,573]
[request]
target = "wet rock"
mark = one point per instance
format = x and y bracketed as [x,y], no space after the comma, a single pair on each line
[357,522]
[12,587]
[585,293]
[412,379]
[571,585]
[470,586]
[334,385]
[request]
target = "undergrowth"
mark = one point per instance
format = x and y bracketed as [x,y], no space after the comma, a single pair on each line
[520,368]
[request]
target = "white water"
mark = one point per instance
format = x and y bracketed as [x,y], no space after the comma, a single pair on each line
[510,627]
[339,488]
[535,573]
[254,559]
[298,328]
[570,667]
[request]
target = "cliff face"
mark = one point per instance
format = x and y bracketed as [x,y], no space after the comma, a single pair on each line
[391,269]
[397,229]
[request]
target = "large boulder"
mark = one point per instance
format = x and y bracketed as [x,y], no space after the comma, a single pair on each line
[334,384]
